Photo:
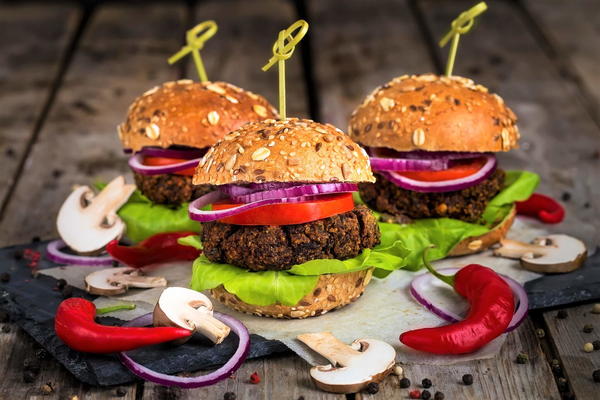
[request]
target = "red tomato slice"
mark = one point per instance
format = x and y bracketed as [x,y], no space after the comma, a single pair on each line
[290,213]
[460,169]
[158,161]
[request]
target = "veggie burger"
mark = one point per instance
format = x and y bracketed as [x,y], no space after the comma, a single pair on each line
[282,230]
[432,141]
[170,127]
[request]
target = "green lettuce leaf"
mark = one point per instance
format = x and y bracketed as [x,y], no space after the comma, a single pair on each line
[144,219]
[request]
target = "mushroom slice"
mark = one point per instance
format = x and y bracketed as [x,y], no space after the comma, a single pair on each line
[87,222]
[186,308]
[547,254]
[113,281]
[352,367]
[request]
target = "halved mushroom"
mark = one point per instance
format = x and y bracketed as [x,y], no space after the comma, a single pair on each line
[189,309]
[352,367]
[548,254]
[113,281]
[86,223]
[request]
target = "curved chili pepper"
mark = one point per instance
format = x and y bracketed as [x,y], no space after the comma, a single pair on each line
[542,207]
[492,308]
[159,248]
[74,324]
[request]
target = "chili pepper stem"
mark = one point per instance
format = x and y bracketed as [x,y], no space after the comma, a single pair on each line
[118,307]
[449,279]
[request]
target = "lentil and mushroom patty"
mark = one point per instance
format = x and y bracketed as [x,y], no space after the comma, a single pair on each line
[169,189]
[270,247]
[467,204]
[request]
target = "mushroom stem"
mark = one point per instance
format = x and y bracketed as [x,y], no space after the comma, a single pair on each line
[202,321]
[330,347]
[109,200]
[515,249]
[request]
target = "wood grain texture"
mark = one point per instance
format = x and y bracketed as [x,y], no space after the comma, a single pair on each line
[497,378]
[33,39]
[282,377]
[116,61]
[560,141]
[17,348]
[568,338]
[572,28]
[354,54]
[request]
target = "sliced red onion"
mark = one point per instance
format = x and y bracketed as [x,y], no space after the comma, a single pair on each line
[422,154]
[237,190]
[54,253]
[423,283]
[296,191]
[136,163]
[232,365]
[407,164]
[186,154]
[444,186]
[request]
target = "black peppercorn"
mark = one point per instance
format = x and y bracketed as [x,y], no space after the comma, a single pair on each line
[121,392]
[568,396]
[596,375]
[229,396]
[35,239]
[18,255]
[41,354]
[301,398]
[562,314]
[587,328]
[28,376]
[60,284]
[404,383]
[5,328]
[4,316]
[566,196]
[5,277]
[467,379]
[563,384]
[67,291]
[372,388]
[596,344]
[426,395]
[438,396]
[426,383]
[522,358]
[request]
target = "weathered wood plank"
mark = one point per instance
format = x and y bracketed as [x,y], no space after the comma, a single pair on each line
[571,27]
[33,39]
[116,61]
[568,338]
[19,348]
[560,141]
[497,378]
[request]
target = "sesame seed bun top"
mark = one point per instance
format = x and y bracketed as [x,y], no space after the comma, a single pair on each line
[434,113]
[293,150]
[188,113]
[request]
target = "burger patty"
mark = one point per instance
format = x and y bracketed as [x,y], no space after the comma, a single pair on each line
[467,204]
[274,248]
[169,189]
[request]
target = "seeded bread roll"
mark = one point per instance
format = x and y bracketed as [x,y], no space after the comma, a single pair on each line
[332,291]
[434,113]
[294,150]
[188,113]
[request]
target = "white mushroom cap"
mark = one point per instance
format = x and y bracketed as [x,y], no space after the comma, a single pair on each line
[86,223]
[352,367]
[189,309]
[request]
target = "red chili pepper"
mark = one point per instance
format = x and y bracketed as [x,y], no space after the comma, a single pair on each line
[492,308]
[162,247]
[542,207]
[74,324]
[255,378]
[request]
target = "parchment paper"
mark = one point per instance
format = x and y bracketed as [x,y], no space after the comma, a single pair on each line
[383,312]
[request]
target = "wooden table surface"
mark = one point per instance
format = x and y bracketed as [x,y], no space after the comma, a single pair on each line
[68,73]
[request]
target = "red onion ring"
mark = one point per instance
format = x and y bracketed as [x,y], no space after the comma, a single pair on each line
[186,154]
[54,253]
[238,190]
[232,365]
[406,164]
[444,186]
[419,285]
[296,191]
[136,164]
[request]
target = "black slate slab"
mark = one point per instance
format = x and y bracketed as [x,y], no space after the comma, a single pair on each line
[32,302]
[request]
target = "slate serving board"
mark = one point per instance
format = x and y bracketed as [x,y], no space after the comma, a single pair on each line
[32,302]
